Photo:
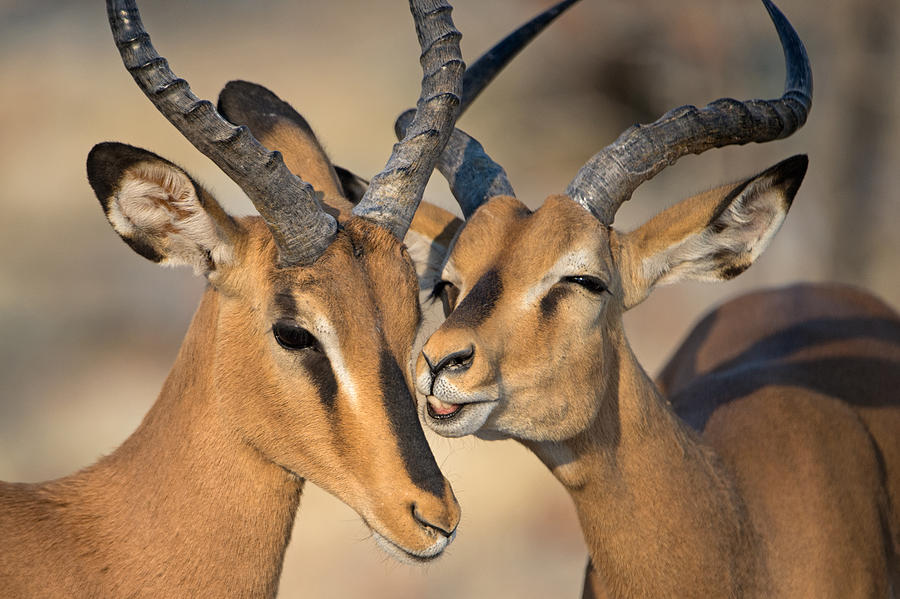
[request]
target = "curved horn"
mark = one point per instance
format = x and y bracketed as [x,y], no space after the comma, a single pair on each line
[395,192]
[608,179]
[473,176]
[301,229]
[488,66]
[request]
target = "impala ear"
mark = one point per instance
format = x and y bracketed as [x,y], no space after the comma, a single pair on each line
[278,126]
[429,239]
[353,185]
[158,210]
[714,236]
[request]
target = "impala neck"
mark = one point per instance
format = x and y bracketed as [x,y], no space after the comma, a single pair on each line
[183,500]
[660,516]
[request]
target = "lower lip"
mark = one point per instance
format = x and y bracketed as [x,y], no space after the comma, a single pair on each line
[441,414]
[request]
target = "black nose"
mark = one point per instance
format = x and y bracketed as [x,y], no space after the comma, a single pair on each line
[458,360]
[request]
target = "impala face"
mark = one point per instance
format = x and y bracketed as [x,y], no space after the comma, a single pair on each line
[325,387]
[495,364]
[531,348]
[532,345]
[315,320]
[311,361]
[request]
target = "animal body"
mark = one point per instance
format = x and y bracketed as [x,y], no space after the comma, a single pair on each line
[295,366]
[767,462]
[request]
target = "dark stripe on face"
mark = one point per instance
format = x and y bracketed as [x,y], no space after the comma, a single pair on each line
[550,301]
[400,407]
[479,303]
[322,376]
[285,303]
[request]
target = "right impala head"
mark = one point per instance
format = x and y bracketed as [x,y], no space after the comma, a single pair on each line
[535,299]
[312,321]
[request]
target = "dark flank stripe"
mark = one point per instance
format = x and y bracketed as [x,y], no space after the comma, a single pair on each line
[479,303]
[400,407]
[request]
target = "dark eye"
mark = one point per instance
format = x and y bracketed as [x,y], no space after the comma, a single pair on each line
[448,293]
[592,284]
[291,336]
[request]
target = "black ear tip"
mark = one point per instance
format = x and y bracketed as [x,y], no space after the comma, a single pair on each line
[789,174]
[107,161]
[102,152]
[240,97]
[792,168]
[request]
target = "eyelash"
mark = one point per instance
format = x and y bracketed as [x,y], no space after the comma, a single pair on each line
[589,283]
[447,293]
[438,289]
[292,337]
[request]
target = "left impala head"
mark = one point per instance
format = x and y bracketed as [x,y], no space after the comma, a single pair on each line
[315,321]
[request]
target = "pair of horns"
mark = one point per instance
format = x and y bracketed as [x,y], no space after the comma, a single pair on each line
[610,177]
[302,230]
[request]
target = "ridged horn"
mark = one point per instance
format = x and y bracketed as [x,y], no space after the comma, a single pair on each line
[473,176]
[301,229]
[395,192]
[610,177]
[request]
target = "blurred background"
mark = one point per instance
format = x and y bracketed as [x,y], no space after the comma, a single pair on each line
[88,329]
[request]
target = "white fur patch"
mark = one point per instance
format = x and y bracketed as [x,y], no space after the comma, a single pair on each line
[750,222]
[574,263]
[170,217]
[328,337]
[427,258]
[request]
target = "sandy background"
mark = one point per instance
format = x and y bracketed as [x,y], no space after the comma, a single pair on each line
[88,329]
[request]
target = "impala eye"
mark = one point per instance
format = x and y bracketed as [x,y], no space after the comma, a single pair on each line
[592,284]
[293,337]
[448,293]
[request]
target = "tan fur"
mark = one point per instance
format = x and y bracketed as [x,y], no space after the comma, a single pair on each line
[774,472]
[431,231]
[200,500]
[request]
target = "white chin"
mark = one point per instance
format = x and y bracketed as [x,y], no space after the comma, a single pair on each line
[413,557]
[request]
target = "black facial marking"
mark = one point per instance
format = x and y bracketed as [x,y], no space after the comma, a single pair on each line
[550,301]
[285,303]
[400,407]
[322,376]
[479,303]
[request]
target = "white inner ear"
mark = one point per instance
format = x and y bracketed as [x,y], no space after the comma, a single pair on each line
[427,258]
[160,204]
[739,235]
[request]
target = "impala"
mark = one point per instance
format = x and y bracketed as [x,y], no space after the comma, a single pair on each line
[294,367]
[767,466]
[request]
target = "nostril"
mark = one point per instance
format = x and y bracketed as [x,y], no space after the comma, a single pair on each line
[424,523]
[428,361]
[457,360]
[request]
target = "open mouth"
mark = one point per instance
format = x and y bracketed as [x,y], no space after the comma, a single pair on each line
[457,419]
[440,410]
